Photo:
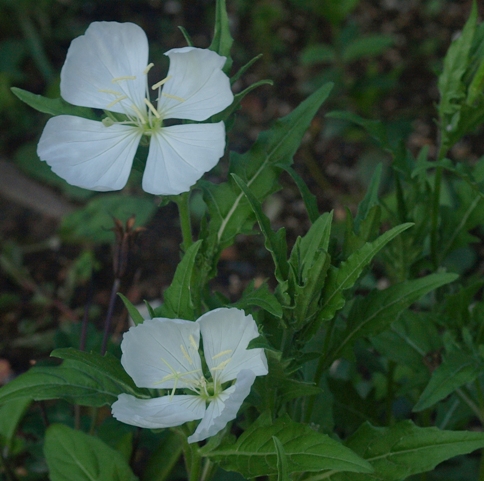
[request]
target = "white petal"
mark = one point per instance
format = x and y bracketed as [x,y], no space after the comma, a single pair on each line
[162,353]
[88,154]
[179,155]
[224,408]
[107,50]
[226,333]
[196,87]
[156,413]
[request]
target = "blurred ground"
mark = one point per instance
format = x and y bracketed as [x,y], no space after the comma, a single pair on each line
[40,288]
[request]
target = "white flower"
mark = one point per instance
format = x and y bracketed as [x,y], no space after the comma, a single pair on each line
[163,354]
[107,68]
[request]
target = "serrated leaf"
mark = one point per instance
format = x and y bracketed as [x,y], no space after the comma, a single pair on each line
[259,168]
[458,368]
[260,297]
[405,449]
[450,83]
[345,276]
[375,312]
[83,378]
[56,106]
[178,303]
[275,242]
[306,450]
[75,456]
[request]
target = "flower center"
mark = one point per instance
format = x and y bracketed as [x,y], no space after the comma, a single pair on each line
[146,117]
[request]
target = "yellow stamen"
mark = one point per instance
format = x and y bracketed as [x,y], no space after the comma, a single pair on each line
[148,68]
[220,354]
[174,97]
[114,102]
[152,108]
[138,113]
[185,354]
[161,82]
[109,91]
[192,342]
[125,77]
[221,365]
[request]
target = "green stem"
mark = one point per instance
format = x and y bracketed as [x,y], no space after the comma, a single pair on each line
[481,467]
[183,202]
[434,247]
[195,463]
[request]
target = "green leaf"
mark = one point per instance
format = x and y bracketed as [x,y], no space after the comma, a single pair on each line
[375,312]
[133,312]
[178,303]
[450,83]
[345,276]
[75,456]
[229,209]
[83,378]
[164,458]
[282,465]
[309,199]
[260,297]
[458,368]
[56,106]
[11,414]
[94,222]
[404,449]
[370,199]
[319,53]
[222,40]
[275,241]
[254,453]
[369,46]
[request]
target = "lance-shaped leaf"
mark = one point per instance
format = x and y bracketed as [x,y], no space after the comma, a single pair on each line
[11,414]
[374,313]
[222,40]
[282,468]
[56,106]
[275,241]
[83,378]
[260,297]
[178,303]
[76,456]
[405,449]
[229,209]
[345,276]
[254,453]
[457,369]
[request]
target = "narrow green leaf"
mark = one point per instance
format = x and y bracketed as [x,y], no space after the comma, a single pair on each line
[275,241]
[178,302]
[133,312]
[75,456]
[370,199]
[254,453]
[458,368]
[222,40]
[83,378]
[404,449]
[345,276]
[282,465]
[11,414]
[259,168]
[374,313]
[162,461]
[308,198]
[186,35]
[56,106]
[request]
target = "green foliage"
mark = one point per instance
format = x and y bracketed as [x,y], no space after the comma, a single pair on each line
[255,453]
[77,456]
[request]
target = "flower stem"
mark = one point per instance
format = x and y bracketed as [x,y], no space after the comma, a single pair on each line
[183,202]
[107,322]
